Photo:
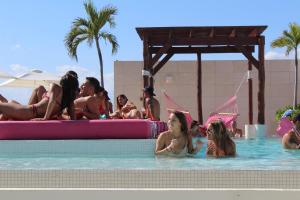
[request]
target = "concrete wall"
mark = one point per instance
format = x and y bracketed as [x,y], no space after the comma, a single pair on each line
[220,79]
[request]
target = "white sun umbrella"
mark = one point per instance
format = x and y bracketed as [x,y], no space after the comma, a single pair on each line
[32,79]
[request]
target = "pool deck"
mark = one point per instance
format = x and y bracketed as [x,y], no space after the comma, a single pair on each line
[188,179]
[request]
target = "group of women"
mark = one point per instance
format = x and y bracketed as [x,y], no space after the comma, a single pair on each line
[177,141]
[45,106]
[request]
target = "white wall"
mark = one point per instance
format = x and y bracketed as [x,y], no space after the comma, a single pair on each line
[220,79]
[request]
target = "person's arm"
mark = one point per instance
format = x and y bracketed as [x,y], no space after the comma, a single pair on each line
[172,148]
[3,99]
[53,94]
[191,148]
[210,148]
[289,145]
[160,145]
[150,108]
[110,106]
[127,107]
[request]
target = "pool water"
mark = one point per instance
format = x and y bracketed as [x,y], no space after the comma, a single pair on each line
[262,154]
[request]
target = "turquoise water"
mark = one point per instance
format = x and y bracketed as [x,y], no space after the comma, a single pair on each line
[265,154]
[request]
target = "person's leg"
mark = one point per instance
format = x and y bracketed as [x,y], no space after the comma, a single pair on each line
[3,99]
[134,114]
[37,95]
[16,111]
[14,101]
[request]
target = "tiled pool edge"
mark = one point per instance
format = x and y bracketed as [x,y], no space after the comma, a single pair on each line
[239,179]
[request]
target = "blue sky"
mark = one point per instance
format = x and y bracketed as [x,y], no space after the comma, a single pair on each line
[32,31]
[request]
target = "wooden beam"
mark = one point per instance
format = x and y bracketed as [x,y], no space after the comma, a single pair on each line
[217,40]
[212,33]
[233,33]
[253,33]
[146,55]
[199,92]
[185,50]
[261,81]
[249,56]
[162,63]
[250,94]
[160,52]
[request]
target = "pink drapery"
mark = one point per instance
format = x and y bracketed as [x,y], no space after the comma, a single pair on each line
[227,118]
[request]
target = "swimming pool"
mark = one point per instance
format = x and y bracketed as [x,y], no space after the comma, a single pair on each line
[132,164]
[266,154]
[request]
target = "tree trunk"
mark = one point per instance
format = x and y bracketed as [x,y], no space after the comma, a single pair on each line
[296,79]
[101,62]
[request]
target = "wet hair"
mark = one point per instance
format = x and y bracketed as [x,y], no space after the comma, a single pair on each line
[105,93]
[221,137]
[99,89]
[73,73]
[181,117]
[69,85]
[118,104]
[95,83]
[194,124]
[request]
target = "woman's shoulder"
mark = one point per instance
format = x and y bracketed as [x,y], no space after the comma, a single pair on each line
[164,134]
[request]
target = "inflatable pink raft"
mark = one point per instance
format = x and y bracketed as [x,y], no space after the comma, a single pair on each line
[83,129]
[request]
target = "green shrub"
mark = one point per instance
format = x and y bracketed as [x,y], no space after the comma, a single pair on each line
[280,111]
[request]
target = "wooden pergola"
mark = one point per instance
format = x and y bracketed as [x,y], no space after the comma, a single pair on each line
[161,43]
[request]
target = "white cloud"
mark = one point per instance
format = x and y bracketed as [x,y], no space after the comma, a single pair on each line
[19,69]
[274,55]
[15,47]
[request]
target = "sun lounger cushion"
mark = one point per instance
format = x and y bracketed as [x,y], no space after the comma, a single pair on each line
[81,129]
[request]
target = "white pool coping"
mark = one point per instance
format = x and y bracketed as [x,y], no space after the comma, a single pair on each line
[151,179]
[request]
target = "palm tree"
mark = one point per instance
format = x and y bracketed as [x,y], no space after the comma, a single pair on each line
[90,30]
[290,39]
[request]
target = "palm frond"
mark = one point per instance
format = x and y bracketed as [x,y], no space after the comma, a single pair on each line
[80,22]
[91,10]
[111,39]
[289,39]
[106,15]
[295,30]
[74,38]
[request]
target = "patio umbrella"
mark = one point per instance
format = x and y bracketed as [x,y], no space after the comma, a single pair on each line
[32,79]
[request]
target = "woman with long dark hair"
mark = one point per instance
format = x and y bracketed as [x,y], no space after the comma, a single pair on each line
[59,97]
[176,141]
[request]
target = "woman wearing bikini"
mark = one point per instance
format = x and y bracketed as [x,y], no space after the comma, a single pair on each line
[176,141]
[59,97]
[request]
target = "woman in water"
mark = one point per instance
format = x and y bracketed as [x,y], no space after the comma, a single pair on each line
[176,141]
[219,142]
[59,97]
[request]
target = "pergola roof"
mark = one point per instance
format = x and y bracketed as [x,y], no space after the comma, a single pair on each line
[161,43]
[202,35]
